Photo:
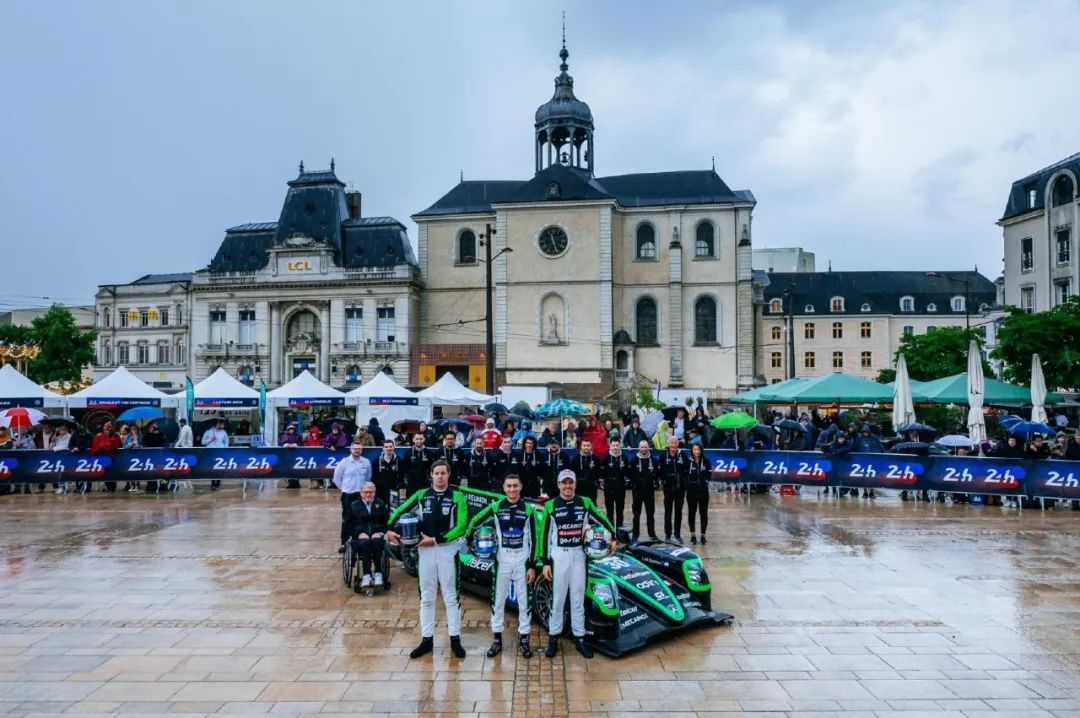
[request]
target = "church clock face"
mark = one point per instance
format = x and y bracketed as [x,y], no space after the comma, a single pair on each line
[552,241]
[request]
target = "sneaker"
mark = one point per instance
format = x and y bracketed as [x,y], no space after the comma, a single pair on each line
[667,537]
[653,537]
[455,646]
[365,582]
[693,539]
[583,647]
[425,647]
[552,647]
[60,490]
[495,649]
[703,542]
[678,539]
[341,548]
[524,647]
[378,580]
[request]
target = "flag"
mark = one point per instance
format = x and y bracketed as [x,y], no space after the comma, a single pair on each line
[189,398]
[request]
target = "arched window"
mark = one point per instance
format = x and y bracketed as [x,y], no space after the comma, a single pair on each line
[907,304]
[646,241]
[466,247]
[645,322]
[776,306]
[836,304]
[809,309]
[705,321]
[622,360]
[303,322]
[388,370]
[352,375]
[1062,191]
[865,307]
[705,242]
[246,375]
[776,333]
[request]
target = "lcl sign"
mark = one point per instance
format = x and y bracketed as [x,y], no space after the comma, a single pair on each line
[299,266]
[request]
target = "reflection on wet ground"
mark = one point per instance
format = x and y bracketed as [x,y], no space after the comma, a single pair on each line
[230,603]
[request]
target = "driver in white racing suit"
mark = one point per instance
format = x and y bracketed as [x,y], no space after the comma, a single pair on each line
[566,520]
[516,523]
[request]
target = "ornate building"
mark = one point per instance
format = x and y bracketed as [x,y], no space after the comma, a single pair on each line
[599,281]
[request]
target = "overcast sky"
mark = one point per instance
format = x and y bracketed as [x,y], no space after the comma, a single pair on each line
[877,135]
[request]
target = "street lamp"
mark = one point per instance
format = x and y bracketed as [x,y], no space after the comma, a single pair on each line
[789,321]
[967,295]
[489,319]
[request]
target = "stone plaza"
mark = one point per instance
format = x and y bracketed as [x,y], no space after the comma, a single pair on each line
[232,602]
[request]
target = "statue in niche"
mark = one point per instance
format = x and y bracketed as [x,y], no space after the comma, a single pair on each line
[553,331]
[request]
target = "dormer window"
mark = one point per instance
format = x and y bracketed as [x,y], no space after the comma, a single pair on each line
[553,190]
[864,308]
[776,306]
[809,309]
[958,304]
[907,304]
[836,304]
[931,307]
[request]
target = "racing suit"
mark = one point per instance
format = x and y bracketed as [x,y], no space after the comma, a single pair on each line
[697,492]
[415,465]
[527,465]
[613,469]
[587,469]
[515,533]
[443,516]
[562,536]
[673,478]
[643,473]
[476,469]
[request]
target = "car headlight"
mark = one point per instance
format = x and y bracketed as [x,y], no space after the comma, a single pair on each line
[696,576]
[606,596]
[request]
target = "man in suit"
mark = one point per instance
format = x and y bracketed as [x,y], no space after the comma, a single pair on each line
[369,524]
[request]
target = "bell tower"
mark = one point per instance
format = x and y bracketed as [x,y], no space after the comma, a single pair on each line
[564,125]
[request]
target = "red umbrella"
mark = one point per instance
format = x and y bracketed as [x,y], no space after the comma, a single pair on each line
[474,419]
[20,417]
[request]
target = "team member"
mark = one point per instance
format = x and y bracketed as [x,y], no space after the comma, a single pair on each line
[644,474]
[448,452]
[499,461]
[350,474]
[476,467]
[554,464]
[698,472]
[565,520]
[416,465]
[526,464]
[673,477]
[369,525]
[587,466]
[613,470]
[444,514]
[516,523]
[388,472]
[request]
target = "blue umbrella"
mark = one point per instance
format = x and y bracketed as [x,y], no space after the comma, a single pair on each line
[1009,420]
[562,407]
[1027,429]
[141,413]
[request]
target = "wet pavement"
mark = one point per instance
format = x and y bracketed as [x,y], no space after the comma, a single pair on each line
[229,603]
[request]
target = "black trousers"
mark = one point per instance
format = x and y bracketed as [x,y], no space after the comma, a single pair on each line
[588,490]
[368,552]
[697,502]
[382,491]
[346,515]
[673,505]
[614,501]
[646,499]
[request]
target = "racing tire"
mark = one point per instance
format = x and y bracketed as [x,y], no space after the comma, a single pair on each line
[348,564]
[540,601]
[410,558]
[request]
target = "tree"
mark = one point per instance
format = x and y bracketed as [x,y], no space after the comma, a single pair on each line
[934,355]
[65,350]
[645,399]
[1054,335]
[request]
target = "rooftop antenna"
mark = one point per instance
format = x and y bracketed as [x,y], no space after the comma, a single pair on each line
[461,175]
[830,265]
[714,163]
[301,167]
[331,164]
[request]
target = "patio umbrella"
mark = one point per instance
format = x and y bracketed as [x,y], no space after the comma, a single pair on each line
[903,411]
[976,423]
[495,408]
[791,425]
[1027,429]
[955,440]
[734,420]
[20,417]
[141,413]
[1038,391]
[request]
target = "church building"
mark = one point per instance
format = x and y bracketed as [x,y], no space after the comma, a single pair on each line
[600,282]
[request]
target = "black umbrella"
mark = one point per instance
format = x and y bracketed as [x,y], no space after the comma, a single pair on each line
[763,429]
[406,426]
[495,408]
[169,429]
[919,448]
[522,408]
[58,421]
[916,426]
[458,425]
[790,424]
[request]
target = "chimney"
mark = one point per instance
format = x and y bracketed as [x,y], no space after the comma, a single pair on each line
[352,201]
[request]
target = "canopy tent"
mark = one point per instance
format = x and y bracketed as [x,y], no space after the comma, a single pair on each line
[384,399]
[448,391]
[834,388]
[17,390]
[754,395]
[121,388]
[954,390]
[222,391]
[304,390]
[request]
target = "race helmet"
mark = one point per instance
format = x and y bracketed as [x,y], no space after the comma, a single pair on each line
[409,530]
[597,543]
[484,544]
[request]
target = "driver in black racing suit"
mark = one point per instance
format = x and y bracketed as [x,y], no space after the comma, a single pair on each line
[566,519]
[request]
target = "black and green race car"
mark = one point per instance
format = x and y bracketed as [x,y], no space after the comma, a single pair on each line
[643,591]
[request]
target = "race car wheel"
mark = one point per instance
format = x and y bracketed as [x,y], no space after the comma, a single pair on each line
[410,557]
[348,563]
[540,601]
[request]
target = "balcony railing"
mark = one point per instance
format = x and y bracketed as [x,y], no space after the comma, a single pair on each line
[622,375]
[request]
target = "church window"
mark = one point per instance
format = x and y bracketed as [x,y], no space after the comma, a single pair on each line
[466,247]
[645,242]
[705,321]
[645,316]
[705,242]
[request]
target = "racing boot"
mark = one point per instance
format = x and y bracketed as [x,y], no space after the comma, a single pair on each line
[583,647]
[496,646]
[425,647]
[455,646]
[524,648]
[552,647]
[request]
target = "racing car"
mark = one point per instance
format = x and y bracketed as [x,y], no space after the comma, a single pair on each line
[641,592]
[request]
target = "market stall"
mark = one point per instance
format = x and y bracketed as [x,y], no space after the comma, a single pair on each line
[384,399]
[222,395]
[114,394]
[17,390]
[303,400]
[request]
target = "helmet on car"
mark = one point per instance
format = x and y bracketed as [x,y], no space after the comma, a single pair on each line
[484,544]
[597,543]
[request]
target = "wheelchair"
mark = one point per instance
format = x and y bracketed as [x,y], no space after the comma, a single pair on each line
[350,568]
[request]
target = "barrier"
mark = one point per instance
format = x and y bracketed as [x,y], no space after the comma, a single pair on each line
[969,475]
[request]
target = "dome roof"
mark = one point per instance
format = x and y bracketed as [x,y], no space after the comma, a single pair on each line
[563,107]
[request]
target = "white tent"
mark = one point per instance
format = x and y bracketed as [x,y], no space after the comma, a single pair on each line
[17,390]
[222,391]
[448,391]
[122,388]
[384,399]
[304,390]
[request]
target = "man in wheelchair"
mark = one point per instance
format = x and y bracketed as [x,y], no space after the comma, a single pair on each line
[368,525]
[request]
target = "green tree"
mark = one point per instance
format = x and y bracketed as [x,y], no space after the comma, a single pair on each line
[1054,335]
[934,355]
[646,399]
[65,350]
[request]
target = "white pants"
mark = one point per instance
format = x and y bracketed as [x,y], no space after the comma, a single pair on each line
[511,568]
[568,569]
[438,571]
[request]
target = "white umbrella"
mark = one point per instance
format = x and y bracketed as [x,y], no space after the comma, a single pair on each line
[903,407]
[1038,391]
[955,440]
[976,391]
